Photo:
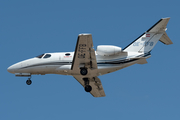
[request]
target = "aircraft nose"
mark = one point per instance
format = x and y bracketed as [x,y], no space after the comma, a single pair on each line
[10,69]
[14,68]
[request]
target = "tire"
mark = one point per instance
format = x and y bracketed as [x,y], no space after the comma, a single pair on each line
[28,82]
[88,88]
[83,71]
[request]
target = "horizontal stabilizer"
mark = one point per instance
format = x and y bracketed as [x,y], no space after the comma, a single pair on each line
[160,26]
[165,39]
[142,61]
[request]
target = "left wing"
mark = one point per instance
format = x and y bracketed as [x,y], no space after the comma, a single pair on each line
[95,82]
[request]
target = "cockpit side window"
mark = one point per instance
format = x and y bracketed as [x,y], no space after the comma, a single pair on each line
[40,56]
[47,56]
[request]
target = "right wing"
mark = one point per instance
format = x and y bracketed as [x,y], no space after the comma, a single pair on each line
[84,55]
[95,83]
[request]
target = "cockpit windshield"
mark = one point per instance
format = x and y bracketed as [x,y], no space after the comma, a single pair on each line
[45,56]
[40,56]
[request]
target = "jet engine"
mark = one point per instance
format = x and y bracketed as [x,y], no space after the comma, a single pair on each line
[108,50]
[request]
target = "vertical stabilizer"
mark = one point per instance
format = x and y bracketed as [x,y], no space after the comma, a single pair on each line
[146,42]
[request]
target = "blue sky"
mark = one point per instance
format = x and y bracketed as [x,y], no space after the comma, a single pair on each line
[141,92]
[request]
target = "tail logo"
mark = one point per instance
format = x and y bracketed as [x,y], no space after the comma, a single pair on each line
[143,43]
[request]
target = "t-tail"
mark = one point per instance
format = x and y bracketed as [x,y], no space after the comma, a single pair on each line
[146,42]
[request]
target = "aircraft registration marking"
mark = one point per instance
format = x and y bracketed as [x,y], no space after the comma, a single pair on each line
[145,43]
[82,51]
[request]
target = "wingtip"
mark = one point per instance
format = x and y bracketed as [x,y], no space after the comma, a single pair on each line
[166,18]
[84,34]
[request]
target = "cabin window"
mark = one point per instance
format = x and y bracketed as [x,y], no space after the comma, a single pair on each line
[67,54]
[47,56]
[40,56]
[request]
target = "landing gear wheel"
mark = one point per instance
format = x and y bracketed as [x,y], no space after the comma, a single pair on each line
[88,88]
[28,82]
[83,71]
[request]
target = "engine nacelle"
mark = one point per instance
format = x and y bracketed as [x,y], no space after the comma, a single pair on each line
[107,50]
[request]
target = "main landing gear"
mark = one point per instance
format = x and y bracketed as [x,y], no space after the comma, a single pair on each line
[87,87]
[83,71]
[28,82]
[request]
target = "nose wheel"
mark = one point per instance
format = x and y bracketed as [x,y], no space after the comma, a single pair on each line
[28,82]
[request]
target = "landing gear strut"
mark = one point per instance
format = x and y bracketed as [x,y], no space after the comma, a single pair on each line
[28,82]
[87,87]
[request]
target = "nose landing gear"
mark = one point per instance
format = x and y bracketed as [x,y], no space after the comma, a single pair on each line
[28,82]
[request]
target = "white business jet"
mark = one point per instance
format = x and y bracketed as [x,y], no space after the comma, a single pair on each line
[86,64]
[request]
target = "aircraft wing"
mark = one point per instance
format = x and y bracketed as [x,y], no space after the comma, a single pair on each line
[95,82]
[84,55]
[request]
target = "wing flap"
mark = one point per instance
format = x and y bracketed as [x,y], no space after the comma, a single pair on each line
[97,88]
